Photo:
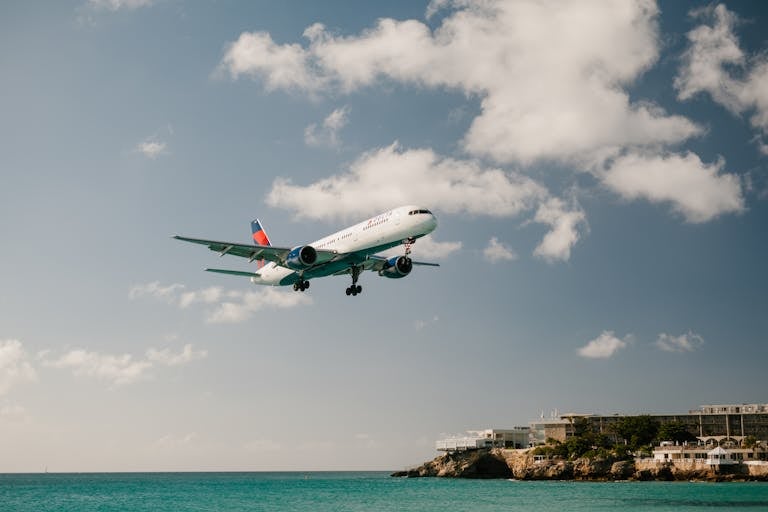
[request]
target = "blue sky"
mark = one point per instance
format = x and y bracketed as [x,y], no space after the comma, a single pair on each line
[598,172]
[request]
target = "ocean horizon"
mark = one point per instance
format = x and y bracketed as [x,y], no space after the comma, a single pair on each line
[355,491]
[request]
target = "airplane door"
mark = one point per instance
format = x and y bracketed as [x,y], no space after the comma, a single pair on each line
[397,217]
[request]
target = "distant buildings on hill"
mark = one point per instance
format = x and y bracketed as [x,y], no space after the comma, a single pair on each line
[710,424]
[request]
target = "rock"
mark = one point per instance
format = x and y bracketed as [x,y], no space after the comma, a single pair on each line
[622,470]
[521,464]
[471,464]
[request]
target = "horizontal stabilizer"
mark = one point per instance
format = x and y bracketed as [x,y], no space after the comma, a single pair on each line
[424,263]
[233,272]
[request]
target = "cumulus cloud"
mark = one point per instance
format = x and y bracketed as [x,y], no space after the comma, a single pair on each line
[564,221]
[117,369]
[603,347]
[227,306]
[116,5]
[14,366]
[698,191]
[715,64]
[327,134]
[168,358]
[496,252]
[120,369]
[687,342]
[240,306]
[156,290]
[550,77]
[151,148]
[391,175]
[280,66]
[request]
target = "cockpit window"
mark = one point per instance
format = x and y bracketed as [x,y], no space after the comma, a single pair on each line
[417,212]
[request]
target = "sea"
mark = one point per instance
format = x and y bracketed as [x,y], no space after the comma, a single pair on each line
[357,491]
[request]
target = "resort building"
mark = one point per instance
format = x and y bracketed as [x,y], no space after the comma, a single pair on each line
[711,424]
[711,455]
[708,423]
[517,437]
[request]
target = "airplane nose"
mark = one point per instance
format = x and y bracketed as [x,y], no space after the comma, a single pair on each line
[431,223]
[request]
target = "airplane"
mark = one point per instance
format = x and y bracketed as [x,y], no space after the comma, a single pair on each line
[349,251]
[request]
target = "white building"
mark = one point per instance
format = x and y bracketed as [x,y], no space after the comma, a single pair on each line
[702,455]
[516,437]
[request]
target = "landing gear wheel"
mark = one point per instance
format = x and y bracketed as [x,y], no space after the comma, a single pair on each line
[300,285]
[355,288]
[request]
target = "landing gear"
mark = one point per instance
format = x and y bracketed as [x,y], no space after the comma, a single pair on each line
[355,288]
[408,242]
[301,285]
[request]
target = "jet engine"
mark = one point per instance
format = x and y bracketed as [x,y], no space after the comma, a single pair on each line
[301,257]
[397,267]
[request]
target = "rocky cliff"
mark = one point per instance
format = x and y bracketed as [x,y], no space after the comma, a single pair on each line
[520,464]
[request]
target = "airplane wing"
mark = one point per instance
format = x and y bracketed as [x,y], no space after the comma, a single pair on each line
[376,263]
[252,252]
[233,272]
[255,252]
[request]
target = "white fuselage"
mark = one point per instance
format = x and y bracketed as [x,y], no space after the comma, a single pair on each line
[362,240]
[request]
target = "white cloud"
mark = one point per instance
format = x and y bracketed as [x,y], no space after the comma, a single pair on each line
[168,358]
[151,148]
[120,369]
[496,251]
[602,347]
[155,290]
[14,366]
[231,306]
[714,63]
[698,191]
[550,76]
[208,295]
[117,369]
[392,176]
[116,5]
[687,342]
[328,133]
[280,66]
[564,221]
[240,306]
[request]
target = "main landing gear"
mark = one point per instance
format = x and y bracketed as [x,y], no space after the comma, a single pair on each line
[301,285]
[355,288]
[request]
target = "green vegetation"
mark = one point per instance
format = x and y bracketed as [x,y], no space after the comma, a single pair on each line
[631,436]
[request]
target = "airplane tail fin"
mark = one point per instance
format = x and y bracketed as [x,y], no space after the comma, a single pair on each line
[259,238]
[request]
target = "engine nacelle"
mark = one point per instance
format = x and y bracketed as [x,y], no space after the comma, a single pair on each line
[301,257]
[397,267]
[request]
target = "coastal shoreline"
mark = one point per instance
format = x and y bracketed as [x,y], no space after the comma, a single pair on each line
[521,464]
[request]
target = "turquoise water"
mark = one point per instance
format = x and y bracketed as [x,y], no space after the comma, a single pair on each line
[321,492]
